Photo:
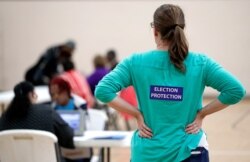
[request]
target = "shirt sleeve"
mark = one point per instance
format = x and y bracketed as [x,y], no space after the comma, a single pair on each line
[114,81]
[230,88]
[63,131]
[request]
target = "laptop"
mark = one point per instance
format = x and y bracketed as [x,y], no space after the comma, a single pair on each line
[75,119]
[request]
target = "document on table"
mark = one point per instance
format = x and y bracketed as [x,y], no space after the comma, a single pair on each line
[113,137]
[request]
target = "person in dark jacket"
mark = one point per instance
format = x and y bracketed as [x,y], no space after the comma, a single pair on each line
[23,113]
[50,64]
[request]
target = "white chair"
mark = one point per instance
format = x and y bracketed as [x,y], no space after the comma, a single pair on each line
[22,145]
[111,113]
[79,101]
[96,119]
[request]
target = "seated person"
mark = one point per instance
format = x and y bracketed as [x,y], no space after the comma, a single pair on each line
[78,83]
[62,99]
[60,92]
[99,72]
[23,113]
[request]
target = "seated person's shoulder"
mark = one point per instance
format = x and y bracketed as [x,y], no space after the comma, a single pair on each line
[43,107]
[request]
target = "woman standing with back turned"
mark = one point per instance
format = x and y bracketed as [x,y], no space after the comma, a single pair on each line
[169,83]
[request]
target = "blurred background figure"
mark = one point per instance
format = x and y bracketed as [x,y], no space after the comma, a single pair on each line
[129,95]
[50,63]
[23,113]
[60,92]
[77,81]
[111,58]
[62,99]
[99,72]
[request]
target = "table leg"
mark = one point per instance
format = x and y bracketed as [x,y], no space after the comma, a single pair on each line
[108,154]
[102,155]
[105,154]
[1,108]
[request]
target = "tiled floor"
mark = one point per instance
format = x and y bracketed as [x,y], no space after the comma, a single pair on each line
[228,134]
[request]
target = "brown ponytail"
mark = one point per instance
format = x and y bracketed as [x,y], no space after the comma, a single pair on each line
[169,21]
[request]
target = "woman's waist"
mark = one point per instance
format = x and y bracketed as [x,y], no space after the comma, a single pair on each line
[167,137]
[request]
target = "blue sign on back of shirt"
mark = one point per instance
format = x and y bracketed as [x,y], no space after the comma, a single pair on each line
[166,93]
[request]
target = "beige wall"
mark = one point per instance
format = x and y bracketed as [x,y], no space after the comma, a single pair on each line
[219,28]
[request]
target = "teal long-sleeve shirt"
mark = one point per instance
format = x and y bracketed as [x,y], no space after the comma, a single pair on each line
[168,99]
